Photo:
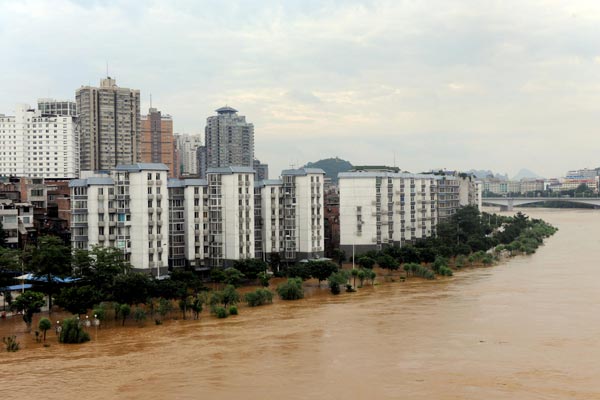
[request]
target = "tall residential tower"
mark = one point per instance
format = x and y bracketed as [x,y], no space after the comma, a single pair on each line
[109,125]
[229,140]
[158,144]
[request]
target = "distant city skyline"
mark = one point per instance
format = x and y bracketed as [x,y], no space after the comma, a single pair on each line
[499,86]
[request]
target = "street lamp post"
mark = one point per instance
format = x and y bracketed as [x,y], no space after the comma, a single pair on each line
[96,324]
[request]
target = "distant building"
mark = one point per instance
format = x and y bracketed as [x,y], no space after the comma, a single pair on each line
[187,147]
[262,170]
[202,163]
[229,139]
[38,145]
[57,107]
[158,143]
[17,222]
[109,126]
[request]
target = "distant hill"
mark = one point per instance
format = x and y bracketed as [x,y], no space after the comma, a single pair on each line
[331,166]
[525,173]
[481,174]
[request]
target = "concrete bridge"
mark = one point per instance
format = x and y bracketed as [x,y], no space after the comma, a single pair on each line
[507,203]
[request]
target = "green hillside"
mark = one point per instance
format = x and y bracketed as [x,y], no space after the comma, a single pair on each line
[331,166]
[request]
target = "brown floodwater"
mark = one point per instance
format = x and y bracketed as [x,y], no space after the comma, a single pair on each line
[526,329]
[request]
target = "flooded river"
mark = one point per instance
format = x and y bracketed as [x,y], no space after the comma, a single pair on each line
[526,329]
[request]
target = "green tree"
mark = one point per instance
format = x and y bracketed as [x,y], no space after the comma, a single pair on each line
[44,325]
[291,290]
[78,299]
[124,312]
[362,274]
[164,307]
[366,262]
[300,270]
[264,278]
[233,277]
[100,267]
[250,267]
[354,273]
[49,260]
[196,305]
[321,270]
[258,297]
[132,288]
[388,262]
[339,256]
[72,332]
[30,303]
[230,296]
[336,280]
[139,315]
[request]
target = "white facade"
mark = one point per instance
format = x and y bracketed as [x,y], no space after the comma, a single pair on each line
[291,215]
[379,208]
[127,209]
[230,215]
[187,147]
[36,145]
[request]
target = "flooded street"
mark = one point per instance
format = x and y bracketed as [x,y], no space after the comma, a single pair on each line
[526,329]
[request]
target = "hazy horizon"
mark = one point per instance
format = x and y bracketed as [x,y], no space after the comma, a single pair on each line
[497,86]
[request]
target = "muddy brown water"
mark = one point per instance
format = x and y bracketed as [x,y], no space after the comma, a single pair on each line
[526,329]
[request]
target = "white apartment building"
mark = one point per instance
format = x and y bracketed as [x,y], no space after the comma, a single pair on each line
[187,148]
[126,208]
[188,223]
[38,145]
[291,215]
[230,215]
[380,208]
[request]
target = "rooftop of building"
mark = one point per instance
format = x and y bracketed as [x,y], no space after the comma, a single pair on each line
[142,167]
[384,174]
[375,168]
[226,110]
[302,171]
[231,170]
[92,181]
[173,182]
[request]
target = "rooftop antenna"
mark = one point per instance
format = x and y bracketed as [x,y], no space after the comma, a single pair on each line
[107,69]
[394,159]
[150,100]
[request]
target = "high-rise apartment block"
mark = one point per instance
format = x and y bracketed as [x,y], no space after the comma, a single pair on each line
[34,144]
[126,208]
[229,139]
[109,126]
[187,148]
[158,143]
[290,212]
[379,208]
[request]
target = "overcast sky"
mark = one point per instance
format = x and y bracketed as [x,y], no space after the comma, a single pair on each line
[498,85]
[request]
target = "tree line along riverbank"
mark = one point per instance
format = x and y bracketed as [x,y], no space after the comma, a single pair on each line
[107,288]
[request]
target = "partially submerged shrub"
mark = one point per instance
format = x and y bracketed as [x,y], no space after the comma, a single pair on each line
[72,332]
